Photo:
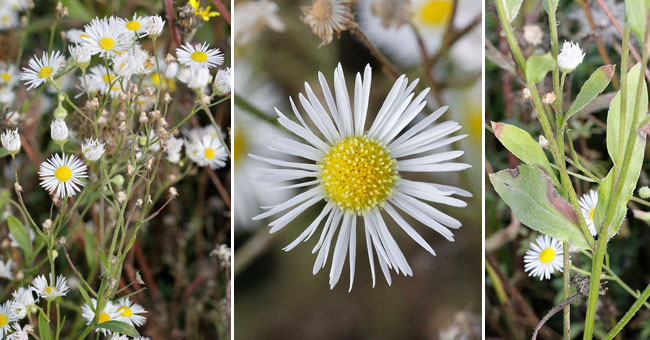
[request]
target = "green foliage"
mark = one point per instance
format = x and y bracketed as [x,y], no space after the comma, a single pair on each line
[594,86]
[21,235]
[524,147]
[44,327]
[530,194]
[119,327]
[537,66]
[636,12]
[512,8]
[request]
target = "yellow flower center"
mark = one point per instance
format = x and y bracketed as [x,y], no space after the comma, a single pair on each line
[475,122]
[63,174]
[199,56]
[547,255]
[50,289]
[358,174]
[239,145]
[436,12]
[125,311]
[45,72]
[103,317]
[133,25]
[209,153]
[6,77]
[108,78]
[107,44]
[591,213]
[4,319]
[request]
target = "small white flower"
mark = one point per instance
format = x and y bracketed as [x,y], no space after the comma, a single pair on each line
[109,313]
[8,18]
[75,35]
[196,77]
[105,37]
[6,317]
[253,17]
[92,149]
[11,141]
[223,81]
[9,75]
[23,301]
[135,25]
[174,147]
[103,81]
[80,55]
[588,203]
[43,69]
[7,95]
[19,333]
[62,175]
[207,151]
[570,57]
[199,54]
[5,269]
[544,257]
[153,25]
[129,312]
[132,62]
[52,289]
[59,131]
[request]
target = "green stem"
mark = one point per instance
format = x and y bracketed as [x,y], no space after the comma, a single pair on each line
[630,313]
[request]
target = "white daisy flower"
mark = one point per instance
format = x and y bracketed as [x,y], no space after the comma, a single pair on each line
[358,172]
[43,69]
[5,269]
[62,175]
[105,37]
[20,333]
[130,312]
[223,81]
[174,146]
[75,36]
[135,26]
[104,82]
[207,151]
[153,25]
[24,301]
[196,77]
[199,54]
[59,131]
[253,17]
[8,18]
[544,257]
[9,75]
[328,17]
[109,313]
[588,203]
[80,55]
[11,140]
[7,95]
[52,289]
[131,62]
[92,149]
[570,57]
[6,317]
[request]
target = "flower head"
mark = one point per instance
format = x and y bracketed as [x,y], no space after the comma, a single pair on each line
[59,131]
[43,69]
[196,77]
[80,55]
[107,314]
[223,81]
[199,54]
[5,269]
[358,173]
[8,75]
[52,289]
[130,312]
[544,257]
[326,17]
[92,149]
[570,57]
[11,141]
[588,203]
[153,25]
[253,17]
[62,175]
[207,151]
[20,333]
[23,300]
[7,316]
[106,37]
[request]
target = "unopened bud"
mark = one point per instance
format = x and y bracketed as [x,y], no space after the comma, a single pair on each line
[123,126]
[173,192]
[120,197]
[644,192]
[139,202]
[526,93]
[169,58]
[549,98]
[18,188]
[167,98]
[143,118]
[543,142]
[47,224]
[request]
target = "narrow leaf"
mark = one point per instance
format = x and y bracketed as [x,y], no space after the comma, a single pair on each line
[594,86]
[636,12]
[524,147]
[530,194]
[537,66]
[43,327]
[84,295]
[119,327]
[512,8]
[21,235]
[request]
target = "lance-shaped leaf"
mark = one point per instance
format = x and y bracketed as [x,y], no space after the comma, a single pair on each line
[533,199]
[614,117]
[636,12]
[524,147]
[594,86]
[537,66]
[119,327]
[512,8]
[21,235]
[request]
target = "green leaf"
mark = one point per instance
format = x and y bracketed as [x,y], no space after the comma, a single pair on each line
[3,152]
[512,8]
[77,10]
[90,248]
[555,2]
[537,66]
[119,327]
[594,86]
[606,189]
[530,194]
[21,235]
[84,295]
[44,331]
[636,12]
[524,147]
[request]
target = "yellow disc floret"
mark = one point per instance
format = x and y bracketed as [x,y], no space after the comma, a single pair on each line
[133,25]
[49,290]
[6,77]
[591,213]
[103,317]
[107,44]
[358,174]
[436,12]
[4,319]
[45,72]
[547,255]
[125,311]
[63,173]
[199,56]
